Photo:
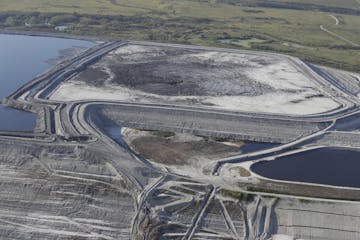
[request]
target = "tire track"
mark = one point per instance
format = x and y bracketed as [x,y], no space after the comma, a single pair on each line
[324,29]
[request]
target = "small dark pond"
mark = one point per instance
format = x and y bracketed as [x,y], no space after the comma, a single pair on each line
[331,166]
[13,119]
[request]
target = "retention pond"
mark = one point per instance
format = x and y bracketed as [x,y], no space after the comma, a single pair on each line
[21,59]
[249,147]
[330,166]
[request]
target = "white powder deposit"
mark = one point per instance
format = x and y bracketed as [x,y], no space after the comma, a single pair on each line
[238,81]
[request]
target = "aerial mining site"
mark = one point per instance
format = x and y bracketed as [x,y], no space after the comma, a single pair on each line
[141,140]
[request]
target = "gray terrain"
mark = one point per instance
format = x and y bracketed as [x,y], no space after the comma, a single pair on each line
[217,78]
[136,141]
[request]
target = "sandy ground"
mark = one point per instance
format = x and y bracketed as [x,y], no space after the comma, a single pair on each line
[282,237]
[183,153]
[232,81]
[282,103]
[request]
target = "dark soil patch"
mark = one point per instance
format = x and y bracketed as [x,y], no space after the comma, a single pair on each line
[165,151]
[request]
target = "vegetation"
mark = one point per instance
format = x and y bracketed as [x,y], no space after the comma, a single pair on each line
[350,7]
[319,194]
[163,134]
[304,200]
[242,197]
[265,190]
[286,26]
[218,139]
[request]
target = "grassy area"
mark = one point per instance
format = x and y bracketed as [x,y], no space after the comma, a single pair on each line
[163,134]
[333,3]
[222,23]
[244,43]
[240,196]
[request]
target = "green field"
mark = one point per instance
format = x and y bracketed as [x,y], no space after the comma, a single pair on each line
[287,26]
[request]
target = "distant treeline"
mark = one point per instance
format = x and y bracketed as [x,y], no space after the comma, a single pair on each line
[292,5]
[152,28]
[36,18]
[8,19]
